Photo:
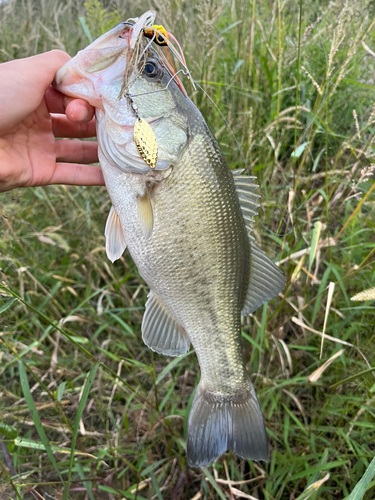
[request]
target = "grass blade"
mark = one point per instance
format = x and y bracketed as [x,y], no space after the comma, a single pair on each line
[315,376]
[313,488]
[352,377]
[35,416]
[86,484]
[213,483]
[331,289]
[35,445]
[85,393]
[156,486]
[355,212]
[85,28]
[314,242]
[7,305]
[361,486]
[170,366]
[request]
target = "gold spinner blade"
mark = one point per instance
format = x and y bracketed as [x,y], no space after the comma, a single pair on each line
[145,141]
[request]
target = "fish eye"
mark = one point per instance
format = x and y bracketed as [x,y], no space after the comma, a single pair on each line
[151,69]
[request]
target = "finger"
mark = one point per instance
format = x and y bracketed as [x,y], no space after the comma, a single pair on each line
[76,151]
[62,127]
[74,174]
[79,110]
[55,100]
[24,82]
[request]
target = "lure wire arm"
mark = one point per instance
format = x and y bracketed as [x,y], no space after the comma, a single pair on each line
[159,90]
[147,46]
[179,56]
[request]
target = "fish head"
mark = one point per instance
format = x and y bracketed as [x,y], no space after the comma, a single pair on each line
[126,77]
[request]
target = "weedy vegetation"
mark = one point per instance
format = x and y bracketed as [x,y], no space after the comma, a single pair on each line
[86,410]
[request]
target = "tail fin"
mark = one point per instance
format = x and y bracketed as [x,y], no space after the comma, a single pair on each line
[217,423]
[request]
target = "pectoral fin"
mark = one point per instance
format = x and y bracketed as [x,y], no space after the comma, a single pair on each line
[146,216]
[161,332]
[115,241]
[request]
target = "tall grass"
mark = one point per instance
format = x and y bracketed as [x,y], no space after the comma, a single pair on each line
[86,410]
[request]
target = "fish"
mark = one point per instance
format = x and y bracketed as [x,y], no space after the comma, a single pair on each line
[186,220]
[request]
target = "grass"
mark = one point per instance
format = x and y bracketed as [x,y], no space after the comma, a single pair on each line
[86,410]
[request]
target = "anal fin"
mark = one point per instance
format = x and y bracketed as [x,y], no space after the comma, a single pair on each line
[114,236]
[161,332]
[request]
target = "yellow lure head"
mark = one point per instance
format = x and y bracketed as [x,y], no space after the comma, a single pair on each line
[159,34]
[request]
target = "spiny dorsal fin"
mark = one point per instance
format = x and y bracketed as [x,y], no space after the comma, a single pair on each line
[238,171]
[145,215]
[266,280]
[245,189]
[161,332]
[114,236]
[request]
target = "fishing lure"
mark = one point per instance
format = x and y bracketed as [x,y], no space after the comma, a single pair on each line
[157,33]
[145,141]
[144,136]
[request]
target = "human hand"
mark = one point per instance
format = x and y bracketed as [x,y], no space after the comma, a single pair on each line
[29,153]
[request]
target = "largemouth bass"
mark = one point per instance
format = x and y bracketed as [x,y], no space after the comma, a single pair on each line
[186,220]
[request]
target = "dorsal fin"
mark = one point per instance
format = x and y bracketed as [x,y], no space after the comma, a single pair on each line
[266,279]
[160,331]
[245,188]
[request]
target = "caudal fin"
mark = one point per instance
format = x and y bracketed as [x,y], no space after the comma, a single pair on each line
[218,423]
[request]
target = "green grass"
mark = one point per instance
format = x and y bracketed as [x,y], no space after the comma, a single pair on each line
[86,410]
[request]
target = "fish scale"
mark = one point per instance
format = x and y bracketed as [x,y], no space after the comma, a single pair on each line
[186,224]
